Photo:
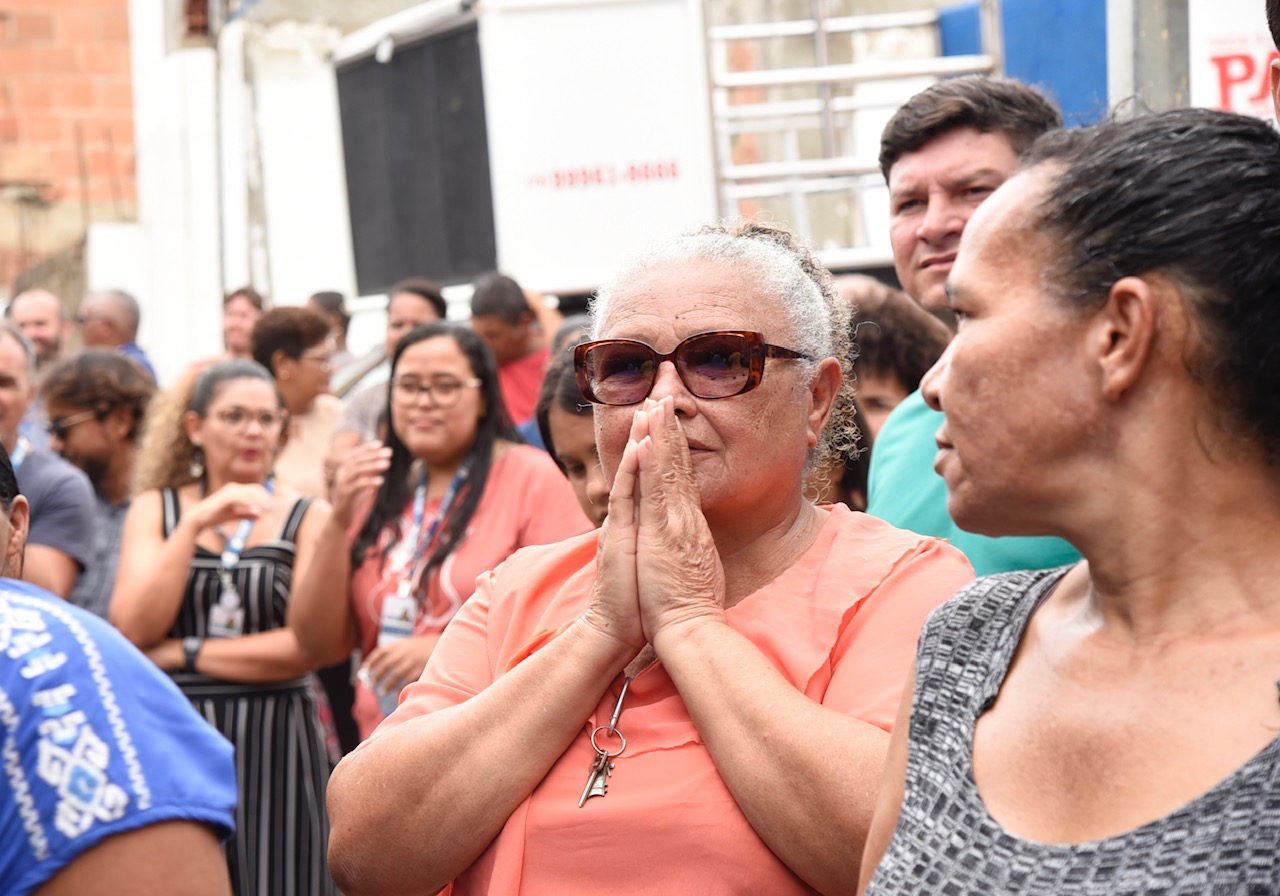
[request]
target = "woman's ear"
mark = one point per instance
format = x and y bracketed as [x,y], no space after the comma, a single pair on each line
[823,390]
[1127,327]
[193,423]
[282,365]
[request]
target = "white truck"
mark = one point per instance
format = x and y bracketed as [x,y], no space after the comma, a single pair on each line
[551,138]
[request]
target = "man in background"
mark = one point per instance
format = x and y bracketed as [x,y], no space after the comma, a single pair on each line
[96,402]
[509,321]
[943,153]
[40,317]
[60,496]
[110,319]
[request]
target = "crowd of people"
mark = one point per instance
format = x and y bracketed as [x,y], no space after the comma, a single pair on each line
[680,596]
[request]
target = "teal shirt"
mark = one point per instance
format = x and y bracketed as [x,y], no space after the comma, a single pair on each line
[904,490]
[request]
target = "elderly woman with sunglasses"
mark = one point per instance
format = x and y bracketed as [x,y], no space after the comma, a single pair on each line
[696,697]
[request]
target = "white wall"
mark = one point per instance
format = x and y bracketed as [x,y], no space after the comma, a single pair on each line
[299,139]
[240,180]
[115,258]
[177,276]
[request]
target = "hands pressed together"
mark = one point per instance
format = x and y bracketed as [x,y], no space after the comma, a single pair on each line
[658,568]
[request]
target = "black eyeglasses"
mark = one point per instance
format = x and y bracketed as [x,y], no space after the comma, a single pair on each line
[719,364]
[238,418]
[322,356]
[62,426]
[444,390]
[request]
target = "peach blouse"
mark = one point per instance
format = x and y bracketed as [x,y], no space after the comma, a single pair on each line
[841,625]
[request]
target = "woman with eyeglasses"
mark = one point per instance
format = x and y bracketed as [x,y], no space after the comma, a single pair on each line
[449,496]
[696,697]
[294,344]
[213,550]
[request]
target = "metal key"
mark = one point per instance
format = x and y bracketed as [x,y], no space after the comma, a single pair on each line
[598,780]
[602,766]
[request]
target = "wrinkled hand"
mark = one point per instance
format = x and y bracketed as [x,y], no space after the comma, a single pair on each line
[615,608]
[360,473]
[395,665]
[678,568]
[234,501]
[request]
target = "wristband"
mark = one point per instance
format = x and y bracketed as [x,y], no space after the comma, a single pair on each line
[190,650]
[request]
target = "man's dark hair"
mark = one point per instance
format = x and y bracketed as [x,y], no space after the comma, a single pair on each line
[988,105]
[497,295]
[1193,195]
[99,380]
[1273,21]
[423,289]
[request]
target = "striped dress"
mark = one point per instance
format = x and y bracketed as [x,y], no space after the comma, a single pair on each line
[280,843]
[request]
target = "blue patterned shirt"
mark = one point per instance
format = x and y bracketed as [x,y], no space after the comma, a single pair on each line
[95,741]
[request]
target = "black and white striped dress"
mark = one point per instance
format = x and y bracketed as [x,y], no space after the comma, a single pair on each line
[281,838]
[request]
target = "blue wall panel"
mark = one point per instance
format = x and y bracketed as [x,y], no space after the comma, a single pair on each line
[1058,45]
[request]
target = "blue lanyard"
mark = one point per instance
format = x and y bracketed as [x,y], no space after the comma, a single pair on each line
[419,511]
[235,544]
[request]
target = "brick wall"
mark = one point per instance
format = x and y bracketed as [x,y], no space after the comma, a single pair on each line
[66,125]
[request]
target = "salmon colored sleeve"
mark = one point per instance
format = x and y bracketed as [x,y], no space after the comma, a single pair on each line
[877,646]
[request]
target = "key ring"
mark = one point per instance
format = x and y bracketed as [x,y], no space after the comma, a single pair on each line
[616,733]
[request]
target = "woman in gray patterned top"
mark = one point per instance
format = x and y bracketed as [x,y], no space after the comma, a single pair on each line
[1108,727]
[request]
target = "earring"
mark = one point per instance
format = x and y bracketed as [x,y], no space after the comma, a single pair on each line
[196,467]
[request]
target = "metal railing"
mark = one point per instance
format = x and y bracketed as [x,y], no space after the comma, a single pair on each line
[802,122]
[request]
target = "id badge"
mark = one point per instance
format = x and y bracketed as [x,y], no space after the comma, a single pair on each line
[226,617]
[399,615]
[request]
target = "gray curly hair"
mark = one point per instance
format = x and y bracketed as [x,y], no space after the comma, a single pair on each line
[783,267]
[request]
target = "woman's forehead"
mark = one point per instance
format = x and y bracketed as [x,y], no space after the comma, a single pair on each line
[436,351]
[687,298]
[244,391]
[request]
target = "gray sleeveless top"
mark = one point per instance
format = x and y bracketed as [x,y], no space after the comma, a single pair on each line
[1225,842]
